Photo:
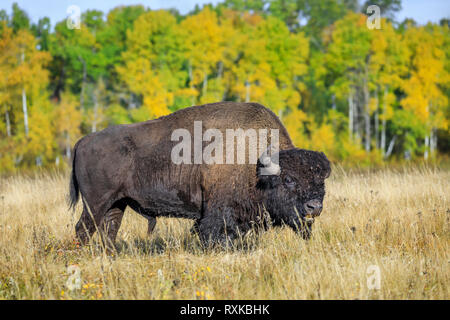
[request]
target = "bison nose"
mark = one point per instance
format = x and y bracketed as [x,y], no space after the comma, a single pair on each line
[313,207]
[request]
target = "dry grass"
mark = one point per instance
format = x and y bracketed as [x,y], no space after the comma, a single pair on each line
[396,220]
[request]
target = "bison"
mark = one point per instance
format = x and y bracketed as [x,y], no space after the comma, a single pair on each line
[132,165]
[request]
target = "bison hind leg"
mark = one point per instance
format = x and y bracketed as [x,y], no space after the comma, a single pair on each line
[111,224]
[85,226]
[195,228]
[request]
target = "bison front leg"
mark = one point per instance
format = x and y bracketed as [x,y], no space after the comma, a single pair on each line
[217,229]
[151,225]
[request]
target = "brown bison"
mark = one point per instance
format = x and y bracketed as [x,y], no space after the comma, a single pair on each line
[133,165]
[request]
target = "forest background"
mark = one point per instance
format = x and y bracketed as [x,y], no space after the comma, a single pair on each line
[364,96]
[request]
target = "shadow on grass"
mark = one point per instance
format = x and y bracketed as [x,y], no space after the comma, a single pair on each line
[156,245]
[187,243]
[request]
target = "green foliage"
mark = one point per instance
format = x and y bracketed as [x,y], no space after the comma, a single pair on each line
[19,18]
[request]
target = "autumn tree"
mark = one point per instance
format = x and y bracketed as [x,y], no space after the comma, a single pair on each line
[150,62]
[425,99]
[202,48]
[388,68]
[347,59]
[25,102]
[360,95]
[67,121]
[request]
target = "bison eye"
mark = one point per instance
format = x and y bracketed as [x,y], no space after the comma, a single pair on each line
[289,181]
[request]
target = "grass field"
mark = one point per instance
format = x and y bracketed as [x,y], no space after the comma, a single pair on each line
[395,220]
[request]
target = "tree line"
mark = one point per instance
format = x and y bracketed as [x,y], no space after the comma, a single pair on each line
[363,96]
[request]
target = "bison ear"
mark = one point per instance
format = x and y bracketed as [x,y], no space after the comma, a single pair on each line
[268,162]
[265,180]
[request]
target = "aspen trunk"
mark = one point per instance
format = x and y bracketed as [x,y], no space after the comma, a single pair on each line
[68,152]
[24,102]
[94,118]
[350,117]
[383,124]
[376,120]
[280,114]
[367,130]
[366,115]
[435,144]
[383,137]
[8,122]
[247,91]
[433,141]
[356,118]
[390,148]
[376,129]
[25,111]
[83,82]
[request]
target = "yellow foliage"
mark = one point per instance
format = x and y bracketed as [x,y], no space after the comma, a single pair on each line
[42,136]
[163,63]
[67,120]
[424,97]
[294,123]
[203,38]
[322,139]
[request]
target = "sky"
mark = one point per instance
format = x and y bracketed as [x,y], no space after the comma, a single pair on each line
[421,11]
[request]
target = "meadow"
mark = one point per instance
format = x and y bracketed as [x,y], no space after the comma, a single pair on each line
[392,220]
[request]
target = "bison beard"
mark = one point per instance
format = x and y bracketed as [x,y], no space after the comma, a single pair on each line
[130,165]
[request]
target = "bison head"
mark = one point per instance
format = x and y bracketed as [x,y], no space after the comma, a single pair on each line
[293,190]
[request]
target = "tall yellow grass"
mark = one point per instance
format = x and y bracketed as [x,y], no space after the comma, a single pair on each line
[397,221]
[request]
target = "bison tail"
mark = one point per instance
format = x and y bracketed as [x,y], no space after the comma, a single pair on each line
[73,187]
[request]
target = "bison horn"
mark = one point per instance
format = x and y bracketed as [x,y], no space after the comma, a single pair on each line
[269,160]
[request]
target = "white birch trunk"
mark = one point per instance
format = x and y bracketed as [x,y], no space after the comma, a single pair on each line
[191,85]
[24,102]
[68,152]
[94,118]
[433,141]
[383,124]
[377,140]
[376,120]
[350,117]
[356,118]
[247,91]
[25,111]
[8,122]
[390,148]
[366,115]
[83,82]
